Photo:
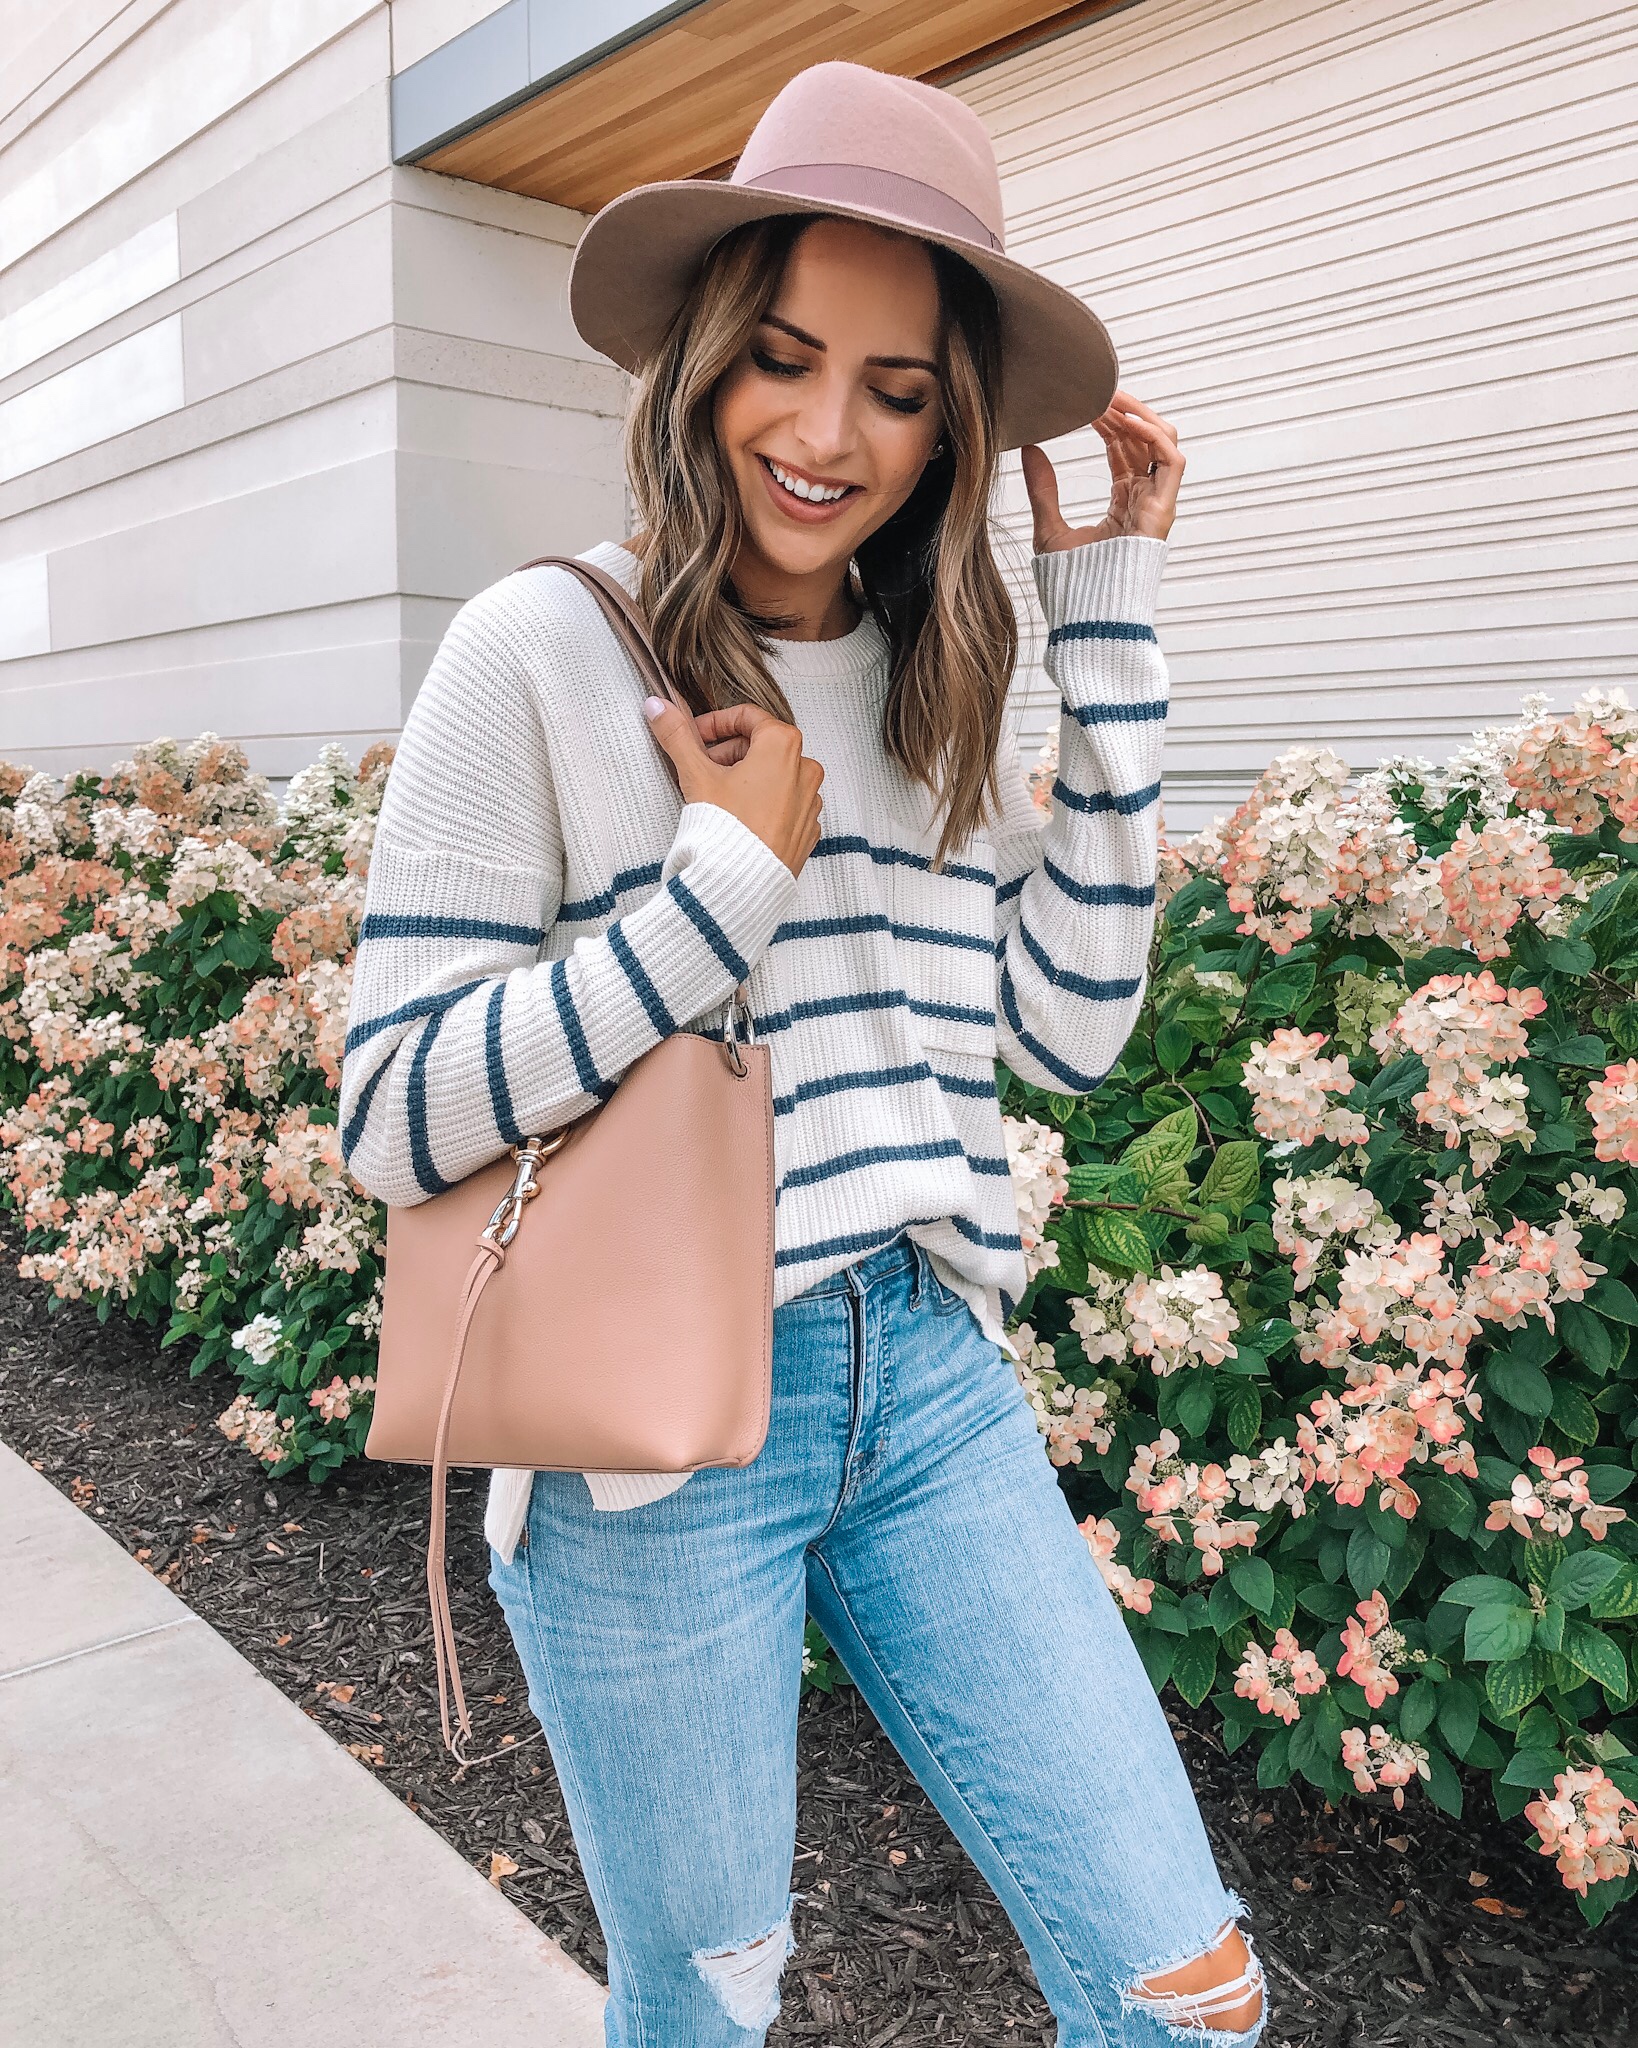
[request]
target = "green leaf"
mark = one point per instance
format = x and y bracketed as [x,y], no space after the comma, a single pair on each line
[1516,1681]
[1444,1787]
[1253,1580]
[1520,1384]
[1550,1627]
[1231,1180]
[1173,1045]
[1243,1414]
[1194,1669]
[1279,992]
[1588,1339]
[1368,1560]
[1194,1405]
[1458,1714]
[1325,1603]
[1590,1650]
[1417,1708]
[1159,1652]
[1613,1298]
[1582,1576]
[1534,1768]
[1618,1601]
[1485,1591]
[1571,956]
[1114,1240]
[1496,1633]
[1585,1051]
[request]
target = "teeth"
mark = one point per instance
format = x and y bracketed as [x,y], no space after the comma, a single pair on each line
[799,487]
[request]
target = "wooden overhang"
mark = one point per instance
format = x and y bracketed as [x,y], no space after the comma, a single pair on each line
[577,103]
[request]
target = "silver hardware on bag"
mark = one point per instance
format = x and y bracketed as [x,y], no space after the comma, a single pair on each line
[738,1027]
[502,1227]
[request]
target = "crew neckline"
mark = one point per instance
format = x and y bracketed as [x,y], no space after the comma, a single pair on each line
[858,653]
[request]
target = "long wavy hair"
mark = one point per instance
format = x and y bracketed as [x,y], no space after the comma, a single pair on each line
[927,574]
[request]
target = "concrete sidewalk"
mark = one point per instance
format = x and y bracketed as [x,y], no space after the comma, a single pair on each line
[189,1862]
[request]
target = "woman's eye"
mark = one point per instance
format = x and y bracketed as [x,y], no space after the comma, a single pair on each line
[774,366]
[904,405]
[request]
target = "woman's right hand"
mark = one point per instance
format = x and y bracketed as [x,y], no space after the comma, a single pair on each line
[748,762]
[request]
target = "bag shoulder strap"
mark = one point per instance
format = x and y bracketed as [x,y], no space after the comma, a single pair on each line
[630,627]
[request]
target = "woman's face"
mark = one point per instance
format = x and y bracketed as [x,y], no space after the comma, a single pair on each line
[838,392]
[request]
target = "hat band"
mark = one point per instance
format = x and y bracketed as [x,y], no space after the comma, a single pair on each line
[905,199]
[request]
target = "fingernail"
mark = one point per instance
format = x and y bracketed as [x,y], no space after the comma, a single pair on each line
[653,706]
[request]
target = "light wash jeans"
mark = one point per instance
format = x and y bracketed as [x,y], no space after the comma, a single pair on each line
[903,1497]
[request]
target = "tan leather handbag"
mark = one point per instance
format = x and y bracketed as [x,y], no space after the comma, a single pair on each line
[603,1299]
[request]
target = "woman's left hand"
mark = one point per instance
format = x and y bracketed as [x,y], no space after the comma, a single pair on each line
[1145,469]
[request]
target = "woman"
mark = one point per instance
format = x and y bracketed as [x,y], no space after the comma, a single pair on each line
[833,350]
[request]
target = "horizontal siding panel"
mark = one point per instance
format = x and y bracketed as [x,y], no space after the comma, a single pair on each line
[1377,263]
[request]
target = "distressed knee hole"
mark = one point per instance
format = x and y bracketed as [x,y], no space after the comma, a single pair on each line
[745,1975]
[1218,1992]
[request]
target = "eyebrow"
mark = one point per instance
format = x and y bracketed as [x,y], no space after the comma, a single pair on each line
[879,362]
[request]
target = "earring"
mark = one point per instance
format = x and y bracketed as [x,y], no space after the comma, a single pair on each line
[938,449]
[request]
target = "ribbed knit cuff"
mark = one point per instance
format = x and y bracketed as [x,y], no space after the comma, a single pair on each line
[1106,579]
[738,877]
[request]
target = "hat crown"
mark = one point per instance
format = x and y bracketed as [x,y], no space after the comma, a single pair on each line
[848,116]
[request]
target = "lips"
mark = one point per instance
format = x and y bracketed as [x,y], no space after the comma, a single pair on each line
[805,511]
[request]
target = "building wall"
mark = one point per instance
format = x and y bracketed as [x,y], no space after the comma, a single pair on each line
[1377,262]
[270,408]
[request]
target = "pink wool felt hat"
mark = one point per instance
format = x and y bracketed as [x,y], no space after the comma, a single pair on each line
[844,139]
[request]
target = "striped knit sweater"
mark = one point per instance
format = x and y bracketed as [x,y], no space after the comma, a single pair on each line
[542,909]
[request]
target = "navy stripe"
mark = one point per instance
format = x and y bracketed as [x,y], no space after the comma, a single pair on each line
[854,1241]
[500,1095]
[1101,895]
[1120,714]
[951,1013]
[990,1240]
[1008,890]
[868,1155]
[380,925]
[896,856]
[658,1015]
[1000,1168]
[1077,1082]
[1009,1301]
[861,1077]
[361,1111]
[958,1084]
[930,935]
[427,1175]
[1077,984]
[1099,629]
[1128,805]
[602,904]
[874,921]
[407,1013]
[832,1006]
[712,932]
[585,1069]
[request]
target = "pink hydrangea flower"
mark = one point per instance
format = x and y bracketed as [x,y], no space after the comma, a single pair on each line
[1381,1762]
[1489,877]
[1171,1491]
[1289,1088]
[1552,1502]
[1277,1679]
[1613,1106]
[1589,1826]
[1371,1647]
[1102,1539]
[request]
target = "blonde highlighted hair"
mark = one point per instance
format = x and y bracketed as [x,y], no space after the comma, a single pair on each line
[928,573]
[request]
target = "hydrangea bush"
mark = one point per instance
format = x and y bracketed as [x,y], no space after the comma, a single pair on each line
[175,959]
[1330,1315]
[1328,1321]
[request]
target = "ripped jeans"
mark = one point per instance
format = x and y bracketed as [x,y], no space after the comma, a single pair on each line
[905,1499]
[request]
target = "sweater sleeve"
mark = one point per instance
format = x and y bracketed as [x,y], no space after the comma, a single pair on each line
[1075,896]
[461,1039]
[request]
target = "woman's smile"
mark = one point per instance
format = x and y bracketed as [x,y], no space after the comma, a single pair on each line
[801,496]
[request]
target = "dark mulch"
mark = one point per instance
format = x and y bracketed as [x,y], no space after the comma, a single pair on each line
[1376,1927]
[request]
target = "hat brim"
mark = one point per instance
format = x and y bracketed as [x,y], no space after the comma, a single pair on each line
[637,258]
